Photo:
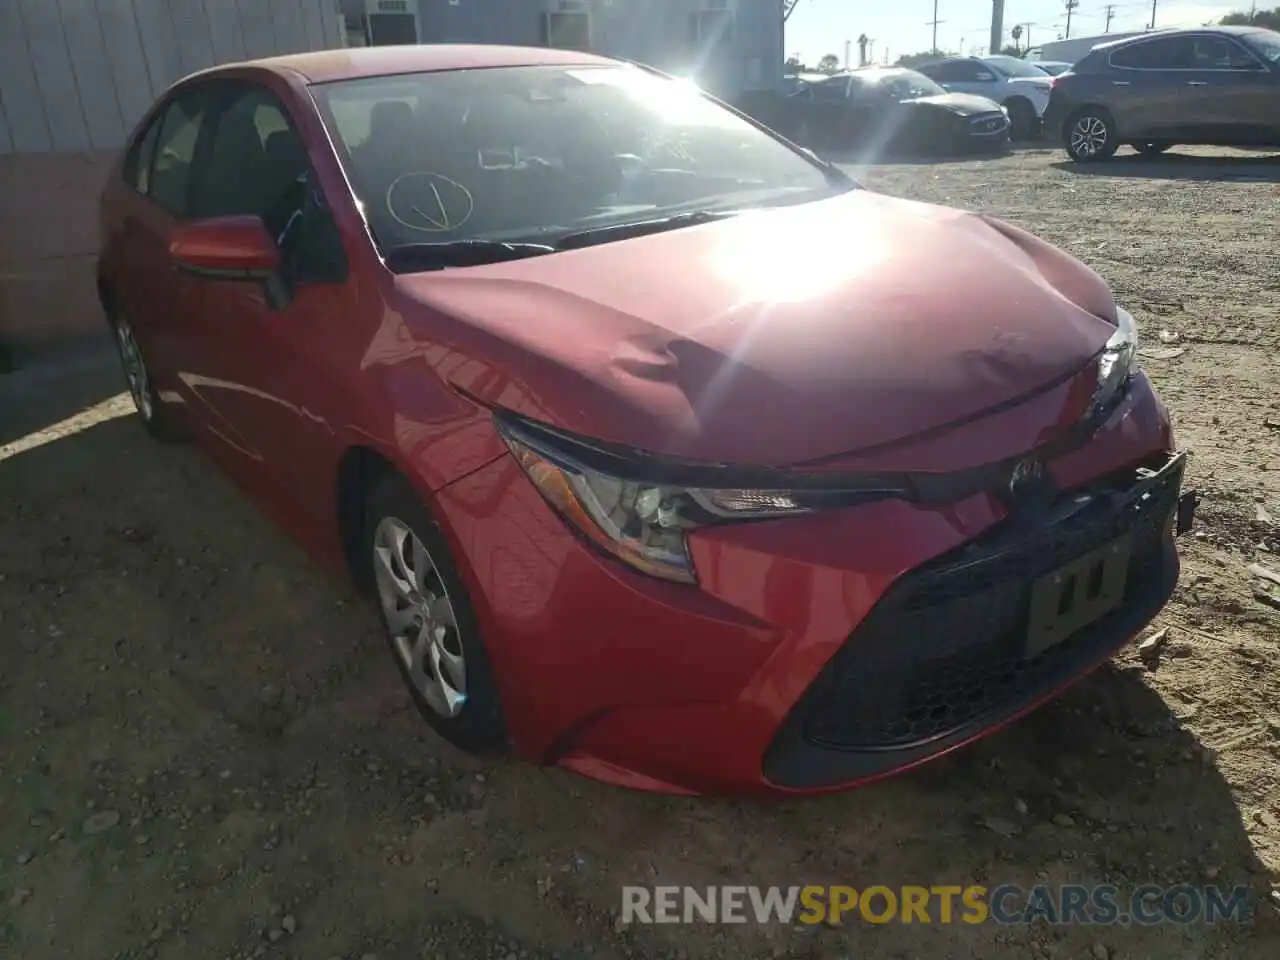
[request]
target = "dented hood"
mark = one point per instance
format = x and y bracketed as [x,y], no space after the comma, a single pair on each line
[771,338]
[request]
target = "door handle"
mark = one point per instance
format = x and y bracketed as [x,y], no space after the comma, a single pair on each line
[1120,83]
[1197,83]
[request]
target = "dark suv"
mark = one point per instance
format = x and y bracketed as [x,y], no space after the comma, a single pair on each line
[1218,86]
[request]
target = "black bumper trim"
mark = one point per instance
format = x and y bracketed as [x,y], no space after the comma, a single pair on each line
[797,759]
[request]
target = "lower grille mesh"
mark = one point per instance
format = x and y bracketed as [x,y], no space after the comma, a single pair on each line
[950,649]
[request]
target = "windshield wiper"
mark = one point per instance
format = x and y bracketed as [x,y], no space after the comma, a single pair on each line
[640,228]
[460,253]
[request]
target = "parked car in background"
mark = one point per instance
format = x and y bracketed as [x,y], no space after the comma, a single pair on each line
[1217,86]
[792,82]
[893,110]
[1020,87]
[1052,67]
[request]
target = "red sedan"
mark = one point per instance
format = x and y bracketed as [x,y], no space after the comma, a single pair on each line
[669,453]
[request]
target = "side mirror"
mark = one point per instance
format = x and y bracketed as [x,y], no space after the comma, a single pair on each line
[225,248]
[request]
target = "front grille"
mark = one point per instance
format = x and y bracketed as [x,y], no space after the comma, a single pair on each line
[946,648]
[992,124]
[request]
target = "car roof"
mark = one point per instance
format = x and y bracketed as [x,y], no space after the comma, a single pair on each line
[1175,32]
[879,68]
[325,66]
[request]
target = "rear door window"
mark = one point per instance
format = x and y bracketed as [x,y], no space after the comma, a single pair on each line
[137,161]
[832,90]
[175,151]
[1169,53]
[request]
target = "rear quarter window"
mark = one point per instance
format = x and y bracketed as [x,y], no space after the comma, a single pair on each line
[137,160]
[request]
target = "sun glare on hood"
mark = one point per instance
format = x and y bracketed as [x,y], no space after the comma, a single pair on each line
[828,254]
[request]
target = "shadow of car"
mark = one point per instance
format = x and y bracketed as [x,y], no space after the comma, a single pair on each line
[1257,168]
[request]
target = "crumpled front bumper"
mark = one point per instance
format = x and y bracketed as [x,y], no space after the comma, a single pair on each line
[735,685]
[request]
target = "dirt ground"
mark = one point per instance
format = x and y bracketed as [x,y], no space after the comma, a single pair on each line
[205,752]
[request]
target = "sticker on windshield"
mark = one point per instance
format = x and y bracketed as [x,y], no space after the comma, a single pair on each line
[430,202]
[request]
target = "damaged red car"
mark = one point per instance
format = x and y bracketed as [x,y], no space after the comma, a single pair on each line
[667,452]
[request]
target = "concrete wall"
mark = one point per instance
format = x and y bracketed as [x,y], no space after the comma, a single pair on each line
[75,77]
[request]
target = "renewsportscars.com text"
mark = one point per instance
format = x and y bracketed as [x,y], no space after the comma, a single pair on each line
[946,904]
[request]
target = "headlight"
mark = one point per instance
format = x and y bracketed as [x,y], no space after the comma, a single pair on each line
[1116,364]
[642,524]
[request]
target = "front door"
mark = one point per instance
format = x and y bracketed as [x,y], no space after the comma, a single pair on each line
[1228,94]
[263,359]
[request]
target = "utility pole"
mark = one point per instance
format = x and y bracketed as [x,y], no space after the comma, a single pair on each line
[934,23]
[1111,12]
[847,47]
[1153,14]
[997,26]
[1071,5]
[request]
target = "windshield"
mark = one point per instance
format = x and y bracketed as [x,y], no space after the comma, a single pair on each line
[1266,43]
[1013,67]
[902,84]
[535,153]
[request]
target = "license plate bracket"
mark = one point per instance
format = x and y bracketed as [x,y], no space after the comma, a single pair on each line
[1076,594]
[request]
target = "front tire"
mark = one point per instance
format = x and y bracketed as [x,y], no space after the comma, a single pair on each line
[156,418]
[428,619]
[1091,136]
[1023,122]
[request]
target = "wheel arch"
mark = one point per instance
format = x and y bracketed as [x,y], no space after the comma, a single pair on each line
[106,298]
[359,469]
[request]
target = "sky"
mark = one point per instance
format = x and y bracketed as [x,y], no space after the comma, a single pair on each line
[818,27]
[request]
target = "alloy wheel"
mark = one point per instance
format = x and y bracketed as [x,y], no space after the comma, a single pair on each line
[135,370]
[420,617]
[1089,136]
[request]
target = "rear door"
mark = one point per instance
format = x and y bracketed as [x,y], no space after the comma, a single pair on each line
[160,170]
[1147,82]
[268,362]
